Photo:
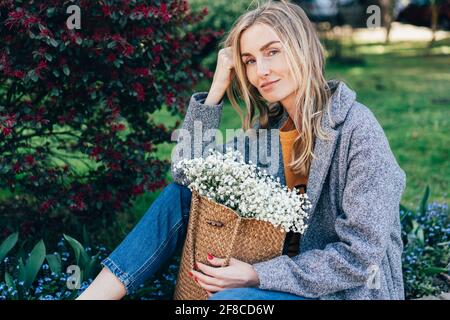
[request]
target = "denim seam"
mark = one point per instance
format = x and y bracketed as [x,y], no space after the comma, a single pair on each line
[145,265]
[123,276]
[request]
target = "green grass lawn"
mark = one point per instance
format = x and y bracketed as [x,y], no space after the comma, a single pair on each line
[408,93]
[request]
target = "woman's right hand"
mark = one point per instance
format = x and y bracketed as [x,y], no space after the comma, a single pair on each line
[224,69]
[223,76]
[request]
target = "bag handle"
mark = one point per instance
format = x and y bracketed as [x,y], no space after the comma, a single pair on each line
[191,230]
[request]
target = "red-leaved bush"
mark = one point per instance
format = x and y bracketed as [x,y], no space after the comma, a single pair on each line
[76,131]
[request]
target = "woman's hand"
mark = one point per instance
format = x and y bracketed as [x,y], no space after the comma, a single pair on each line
[222,76]
[224,69]
[215,278]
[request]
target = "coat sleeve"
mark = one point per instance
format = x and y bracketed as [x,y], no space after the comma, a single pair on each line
[196,136]
[371,197]
[200,119]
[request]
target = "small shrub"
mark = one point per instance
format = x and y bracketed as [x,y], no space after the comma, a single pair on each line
[45,276]
[426,254]
[42,276]
[77,136]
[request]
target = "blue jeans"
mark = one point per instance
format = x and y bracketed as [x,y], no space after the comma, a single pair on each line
[254,294]
[157,236]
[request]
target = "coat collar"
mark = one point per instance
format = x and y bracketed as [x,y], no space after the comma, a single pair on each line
[342,100]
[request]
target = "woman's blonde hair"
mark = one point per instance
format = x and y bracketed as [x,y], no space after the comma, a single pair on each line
[306,62]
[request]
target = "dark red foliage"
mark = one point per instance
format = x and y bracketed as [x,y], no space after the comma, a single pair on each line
[75,134]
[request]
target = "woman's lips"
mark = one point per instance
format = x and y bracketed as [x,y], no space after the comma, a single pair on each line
[269,86]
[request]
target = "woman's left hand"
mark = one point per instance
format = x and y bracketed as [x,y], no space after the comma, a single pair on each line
[215,278]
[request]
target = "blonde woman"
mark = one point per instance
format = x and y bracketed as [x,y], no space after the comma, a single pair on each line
[331,145]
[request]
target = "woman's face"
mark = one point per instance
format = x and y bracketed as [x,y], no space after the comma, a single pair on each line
[264,59]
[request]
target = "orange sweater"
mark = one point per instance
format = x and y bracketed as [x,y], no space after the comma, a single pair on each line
[288,134]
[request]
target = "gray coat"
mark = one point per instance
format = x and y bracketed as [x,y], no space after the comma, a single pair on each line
[352,247]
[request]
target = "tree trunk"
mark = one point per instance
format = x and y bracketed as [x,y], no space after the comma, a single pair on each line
[434,21]
[387,9]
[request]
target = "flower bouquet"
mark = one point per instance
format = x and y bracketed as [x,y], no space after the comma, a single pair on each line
[236,211]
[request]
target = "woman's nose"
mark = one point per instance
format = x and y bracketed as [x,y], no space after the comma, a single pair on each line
[263,68]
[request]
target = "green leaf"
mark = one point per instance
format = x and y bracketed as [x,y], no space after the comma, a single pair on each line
[423,203]
[79,41]
[90,268]
[85,236]
[54,43]
[7,245]
[22,271]
[48,56]
[123,21]
[54,261]
[9,281]
[50,12]
[415,226]
[34,263]
[66,70]
[420,235]
[403,214]
[32,75]
[81,256]
[55,92]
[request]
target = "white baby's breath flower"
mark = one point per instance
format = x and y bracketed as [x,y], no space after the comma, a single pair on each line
[252,193]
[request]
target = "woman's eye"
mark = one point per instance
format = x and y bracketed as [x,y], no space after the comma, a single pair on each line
[270,53]
[275,51]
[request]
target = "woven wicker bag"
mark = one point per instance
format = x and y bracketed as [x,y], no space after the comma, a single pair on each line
[216,229]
